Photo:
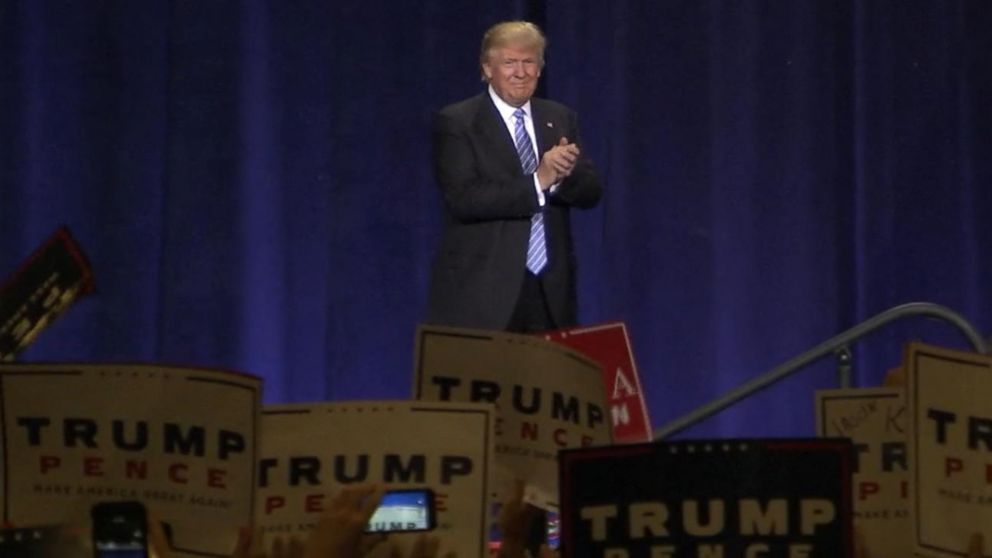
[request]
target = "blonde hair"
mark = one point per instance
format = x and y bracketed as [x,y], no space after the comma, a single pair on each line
[512,32]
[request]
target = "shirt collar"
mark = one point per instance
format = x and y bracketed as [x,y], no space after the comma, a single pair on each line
[505,109]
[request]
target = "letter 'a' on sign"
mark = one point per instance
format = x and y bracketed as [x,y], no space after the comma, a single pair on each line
[47,283]
[776,497]
[609,345]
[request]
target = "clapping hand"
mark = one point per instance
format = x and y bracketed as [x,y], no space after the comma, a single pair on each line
[558,163]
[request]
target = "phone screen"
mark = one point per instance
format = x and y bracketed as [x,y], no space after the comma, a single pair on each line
[119,530]
[403,510]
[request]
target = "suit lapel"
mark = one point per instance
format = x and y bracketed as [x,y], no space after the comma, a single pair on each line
[544,128]
[491,127]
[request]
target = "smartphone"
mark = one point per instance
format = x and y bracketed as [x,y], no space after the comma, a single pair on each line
[120,530]
[402,511]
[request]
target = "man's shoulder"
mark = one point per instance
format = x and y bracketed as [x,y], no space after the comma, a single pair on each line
[549,106]
[464,109]
[468,110]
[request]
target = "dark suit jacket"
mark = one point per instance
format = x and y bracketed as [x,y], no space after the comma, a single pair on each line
[489,202]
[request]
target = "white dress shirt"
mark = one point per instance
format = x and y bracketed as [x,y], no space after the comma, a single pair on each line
[506,111]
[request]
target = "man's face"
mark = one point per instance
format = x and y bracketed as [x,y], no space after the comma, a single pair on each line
[513,70]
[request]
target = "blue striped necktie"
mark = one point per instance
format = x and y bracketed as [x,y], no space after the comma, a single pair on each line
[537,251]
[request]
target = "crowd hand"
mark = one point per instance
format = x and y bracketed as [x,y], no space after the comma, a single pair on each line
[515,521]
[284,548]
[425,546]
[251,545]
[558,163]
[340,532]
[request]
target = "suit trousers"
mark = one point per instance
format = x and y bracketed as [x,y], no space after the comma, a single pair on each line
[531,314]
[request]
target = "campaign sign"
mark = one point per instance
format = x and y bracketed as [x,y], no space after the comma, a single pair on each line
[717,498]
[309,451]
[877,422]
[180,440]
[547,396]
[609,345]
[951,449]
[50,280]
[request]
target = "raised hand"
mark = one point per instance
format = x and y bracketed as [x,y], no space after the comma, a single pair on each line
[515,521]
[340,533]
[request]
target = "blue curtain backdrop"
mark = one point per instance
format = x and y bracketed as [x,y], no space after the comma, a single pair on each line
[252,182]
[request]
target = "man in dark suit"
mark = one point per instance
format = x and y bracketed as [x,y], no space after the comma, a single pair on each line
[510,168]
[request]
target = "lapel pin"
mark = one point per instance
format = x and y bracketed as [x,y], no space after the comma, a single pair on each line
[550,125]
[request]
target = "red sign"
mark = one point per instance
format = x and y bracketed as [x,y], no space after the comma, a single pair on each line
[609,345]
